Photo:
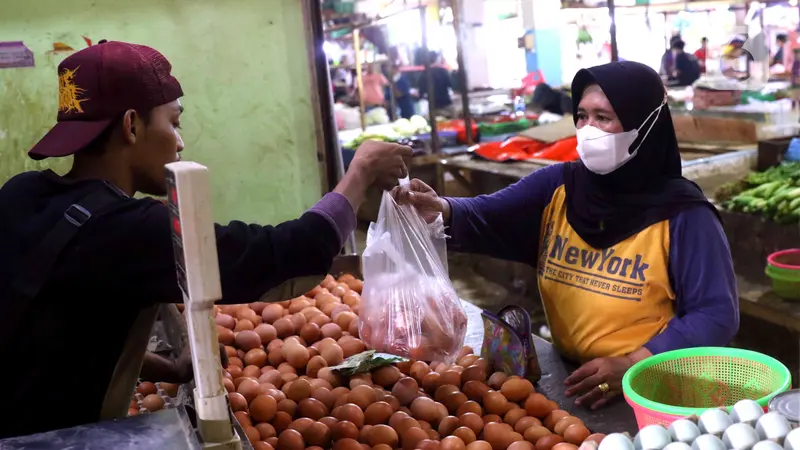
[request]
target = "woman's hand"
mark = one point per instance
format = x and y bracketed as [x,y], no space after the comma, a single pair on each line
[586,381]
[424,199]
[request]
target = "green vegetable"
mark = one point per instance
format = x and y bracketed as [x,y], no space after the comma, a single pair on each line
[773,193]
[366,361]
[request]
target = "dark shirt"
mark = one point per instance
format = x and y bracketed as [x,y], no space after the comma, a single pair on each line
[688,70]
[59,363]
[778,57]
[441,86]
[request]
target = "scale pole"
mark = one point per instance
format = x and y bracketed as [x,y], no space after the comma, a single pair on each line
[360,78]
[462,71]
[612,14]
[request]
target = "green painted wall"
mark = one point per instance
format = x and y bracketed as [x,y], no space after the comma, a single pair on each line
[245,76]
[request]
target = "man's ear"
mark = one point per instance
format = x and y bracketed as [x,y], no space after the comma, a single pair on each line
[130,121]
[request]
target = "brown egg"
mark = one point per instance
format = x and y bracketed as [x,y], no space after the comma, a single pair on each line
[565,446]
[377,413]
[274,344]
[248,340]
[576,433]
[450,377]
[453,443]
[473,373]
[281,422]
[405,390]
[317,434]
[243,325]
[428,444]
[334,378]
[273,377]
[513,415]
[386,376]
[362,434]
[425,409]
[596,437]
[262,445]
[344,430]
[516,389]
[153,402]
[333,354]
[235,361]
[561,426]
[146,388]
[320,320]
[465,434]
[381,447]
[447,425]
[225,335]
[347,444]
[536,405]
[301,424]
[287,406]
[297,356]
[469,406]
[228,385]
[412,437]
[351,413]
[467,360]
[271,313]
[266,431]
[495,403]
[225,320]
[283,327]
[312,408]
[418,370]
[492,418]
[298,304]
[324,395]
[496,434]
[353,330]
[249,388]
[251,433]
[266,332]
[344,319]
[251,371]
[534,433]
[362,395]
[444,391]
[553,417]
[431,381]
[382,434]
[237,401]
[548,442]
[263,408]
[291,440]
[471,421]
[298,322]
[475,390]
[526,422]
[521,445]
[299,390]
[243,418]
[329,421]
[496,380]
[310,332]
[479,445]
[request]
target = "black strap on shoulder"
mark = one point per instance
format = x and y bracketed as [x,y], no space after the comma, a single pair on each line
[41,261]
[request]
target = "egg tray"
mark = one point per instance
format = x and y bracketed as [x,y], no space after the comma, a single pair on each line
[169,402]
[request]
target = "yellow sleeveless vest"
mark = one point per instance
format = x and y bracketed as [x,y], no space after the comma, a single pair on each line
[602,303]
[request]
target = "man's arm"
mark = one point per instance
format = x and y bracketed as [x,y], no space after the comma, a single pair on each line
[286,260]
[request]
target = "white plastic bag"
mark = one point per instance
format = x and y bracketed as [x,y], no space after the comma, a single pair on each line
[409,307]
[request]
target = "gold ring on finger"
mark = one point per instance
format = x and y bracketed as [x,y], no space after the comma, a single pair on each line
[604,388]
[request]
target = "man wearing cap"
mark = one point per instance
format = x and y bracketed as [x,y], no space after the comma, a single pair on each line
[84,265]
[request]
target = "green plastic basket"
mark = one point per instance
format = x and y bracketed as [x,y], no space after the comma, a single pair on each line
[686,382]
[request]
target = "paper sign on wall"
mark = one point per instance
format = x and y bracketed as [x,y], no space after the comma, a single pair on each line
[15,54]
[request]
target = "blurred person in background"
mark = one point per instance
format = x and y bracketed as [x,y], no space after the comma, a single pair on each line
[701,54]
[373,82]
[687,69]
[441,104]
[402,93]
[778,57]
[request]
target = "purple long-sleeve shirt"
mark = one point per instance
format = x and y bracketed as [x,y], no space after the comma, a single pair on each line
[506,225]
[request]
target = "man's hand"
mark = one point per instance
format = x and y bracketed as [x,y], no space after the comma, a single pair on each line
[586,380]
[376,163]
[424,199]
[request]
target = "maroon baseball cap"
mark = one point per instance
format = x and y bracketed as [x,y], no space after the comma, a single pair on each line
[98,84]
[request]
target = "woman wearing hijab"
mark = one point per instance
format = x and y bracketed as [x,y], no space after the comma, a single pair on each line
[631,257]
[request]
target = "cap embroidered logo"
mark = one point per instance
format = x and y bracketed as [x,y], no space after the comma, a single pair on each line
[68,93]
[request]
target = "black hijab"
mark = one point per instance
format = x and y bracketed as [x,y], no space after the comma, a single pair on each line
[607,209]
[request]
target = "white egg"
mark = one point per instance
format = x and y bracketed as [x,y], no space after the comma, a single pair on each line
[773,426]
[767,445]
[684,430]
[708,442]
[740,436]
[792,441]
[616,441]
[652,437]
[714,421]
[746,411]
[678,446]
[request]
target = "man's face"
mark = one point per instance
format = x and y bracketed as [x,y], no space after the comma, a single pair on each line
[157,144]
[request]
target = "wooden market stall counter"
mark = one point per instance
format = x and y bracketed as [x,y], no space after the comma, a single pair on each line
[617,416]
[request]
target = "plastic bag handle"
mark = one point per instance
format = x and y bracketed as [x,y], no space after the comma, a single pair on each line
[404,182]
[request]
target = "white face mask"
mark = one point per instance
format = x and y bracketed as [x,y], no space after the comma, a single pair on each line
[603,152]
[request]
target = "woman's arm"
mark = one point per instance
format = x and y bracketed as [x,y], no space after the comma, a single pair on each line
[701,271]
[505,224]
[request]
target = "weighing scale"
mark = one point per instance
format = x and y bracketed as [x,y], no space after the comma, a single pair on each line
[195,253]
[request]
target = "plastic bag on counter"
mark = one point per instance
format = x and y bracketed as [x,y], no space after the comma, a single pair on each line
[409,307]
